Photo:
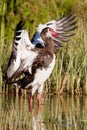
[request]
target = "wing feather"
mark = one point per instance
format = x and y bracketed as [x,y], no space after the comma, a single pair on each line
[20,52]
[64,28]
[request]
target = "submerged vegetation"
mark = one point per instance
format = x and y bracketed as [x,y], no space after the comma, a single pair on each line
[70,73]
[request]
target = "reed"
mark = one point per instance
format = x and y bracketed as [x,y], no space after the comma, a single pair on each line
[70,70]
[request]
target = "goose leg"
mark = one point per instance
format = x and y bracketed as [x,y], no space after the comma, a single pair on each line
[39,102]
[40,89]
[34,88]
[31,102]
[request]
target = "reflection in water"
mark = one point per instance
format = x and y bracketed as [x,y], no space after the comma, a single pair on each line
[57,113]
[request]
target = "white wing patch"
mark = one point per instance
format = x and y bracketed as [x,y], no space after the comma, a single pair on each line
[28,60]
[23,52]
[13,67]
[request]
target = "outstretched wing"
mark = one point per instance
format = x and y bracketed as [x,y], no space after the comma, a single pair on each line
[61,30]
[16,41]
[20,51]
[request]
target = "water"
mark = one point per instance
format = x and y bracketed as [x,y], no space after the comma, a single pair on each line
[57,113]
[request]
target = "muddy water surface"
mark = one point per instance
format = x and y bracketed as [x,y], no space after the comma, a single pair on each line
[57,113]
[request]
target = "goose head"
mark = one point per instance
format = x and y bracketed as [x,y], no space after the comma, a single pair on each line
[47,34]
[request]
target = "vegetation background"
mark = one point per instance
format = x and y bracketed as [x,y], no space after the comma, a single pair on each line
[70,73]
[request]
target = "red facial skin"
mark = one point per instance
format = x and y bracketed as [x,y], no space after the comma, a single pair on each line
[53,33]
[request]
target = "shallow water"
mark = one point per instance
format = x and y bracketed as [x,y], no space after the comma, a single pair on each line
[57,113]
